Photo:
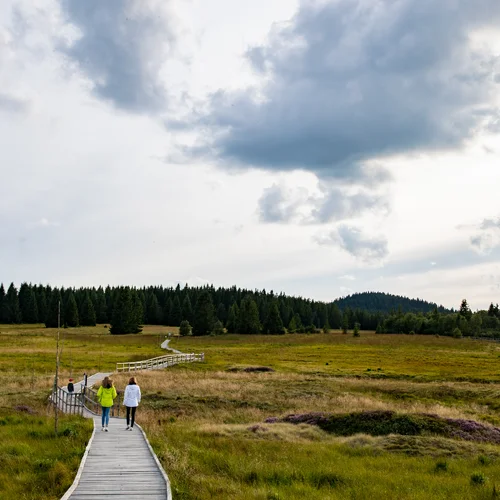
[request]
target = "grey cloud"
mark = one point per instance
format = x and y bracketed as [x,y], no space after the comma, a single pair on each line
[13,104]
[490,223]
[487,237]
[122,47]
[332,204]
[349,81]
[276,206]
[354,241]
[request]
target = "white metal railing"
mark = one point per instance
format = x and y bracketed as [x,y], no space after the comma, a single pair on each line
[160,362]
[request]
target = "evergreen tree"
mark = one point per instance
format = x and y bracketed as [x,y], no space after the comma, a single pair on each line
[127,312]
[153,314]
[249,316]
[465,311]
[335,316]
[218,328]
[167,312]
[87,316]
[204,315]
[345,324]
[51,320]
[3,305]
[176,314]
[233,318]
[292,325]
[41,303]
[187,309]
[137,316]
[185,328]
[27,304]
[273,324]
[101,309]
[13,309]
[71,317]
[221,313]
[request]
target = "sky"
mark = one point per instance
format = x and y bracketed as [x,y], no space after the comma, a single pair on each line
[313,147]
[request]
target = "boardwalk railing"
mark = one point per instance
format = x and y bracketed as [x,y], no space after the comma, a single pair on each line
[67,402]
[160,362]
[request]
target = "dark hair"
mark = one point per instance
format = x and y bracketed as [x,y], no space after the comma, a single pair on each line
[107,383]
[132,381]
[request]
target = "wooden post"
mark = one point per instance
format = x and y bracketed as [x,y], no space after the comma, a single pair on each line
[56,378]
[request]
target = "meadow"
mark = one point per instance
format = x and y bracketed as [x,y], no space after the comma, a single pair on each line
[404,417]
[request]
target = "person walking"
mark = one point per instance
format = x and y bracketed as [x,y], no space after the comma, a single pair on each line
[105,395]
[131,400]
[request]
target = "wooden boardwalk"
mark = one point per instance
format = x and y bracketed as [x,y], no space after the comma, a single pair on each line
[119,464]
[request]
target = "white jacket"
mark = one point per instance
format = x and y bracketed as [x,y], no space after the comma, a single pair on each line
[132,395]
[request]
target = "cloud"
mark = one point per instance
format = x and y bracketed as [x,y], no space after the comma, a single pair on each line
[349,81]
[355,242]
[348,277]
[121,47]
[487,235]
[13,104]
[328,203]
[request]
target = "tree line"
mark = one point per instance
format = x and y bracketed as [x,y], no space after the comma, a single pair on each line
[205,310]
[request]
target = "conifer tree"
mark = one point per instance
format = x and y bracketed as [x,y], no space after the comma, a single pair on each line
[127,312]
[465,310]
[51,321]
[273,324]
[27,303]
[3,305]
[153,313]
[292,326]
[13,309]
[167,311]
[221,313]
[41,303]
[204,315]
[71,317]
[249,316]
[335,316]
[176,314]
[87,316]
[101,306]
[218,328]
[233,318]
[187,309]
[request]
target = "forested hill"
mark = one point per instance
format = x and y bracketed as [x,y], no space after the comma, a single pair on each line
[386,303]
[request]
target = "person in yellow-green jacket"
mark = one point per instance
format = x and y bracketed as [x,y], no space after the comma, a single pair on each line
[105,396]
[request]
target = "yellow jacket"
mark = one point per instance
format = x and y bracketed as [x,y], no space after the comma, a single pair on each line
[106,396]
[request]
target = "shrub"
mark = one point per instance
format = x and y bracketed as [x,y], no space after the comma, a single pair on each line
[457,334]
[441,466]
[185,328]
[355,332]
[478,478]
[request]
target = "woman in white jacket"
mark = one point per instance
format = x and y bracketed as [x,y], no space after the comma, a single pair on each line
[131,400]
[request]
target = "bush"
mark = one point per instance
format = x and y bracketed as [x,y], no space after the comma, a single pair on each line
[477,478]
[218,328]
[457,334]
[441,466]
[185,328]
[355,332]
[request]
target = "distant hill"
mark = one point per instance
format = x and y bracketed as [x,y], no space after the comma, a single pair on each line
[385,303]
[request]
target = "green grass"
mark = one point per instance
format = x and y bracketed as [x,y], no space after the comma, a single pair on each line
[33,463]
[206,421]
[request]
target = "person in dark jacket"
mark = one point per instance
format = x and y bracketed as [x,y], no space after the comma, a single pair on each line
[71,387]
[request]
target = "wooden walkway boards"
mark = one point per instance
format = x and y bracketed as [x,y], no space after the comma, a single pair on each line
[119,464]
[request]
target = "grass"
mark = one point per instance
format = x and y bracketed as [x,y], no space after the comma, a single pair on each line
[206,421]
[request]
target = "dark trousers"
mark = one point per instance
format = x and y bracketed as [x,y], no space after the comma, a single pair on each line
[131,409]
